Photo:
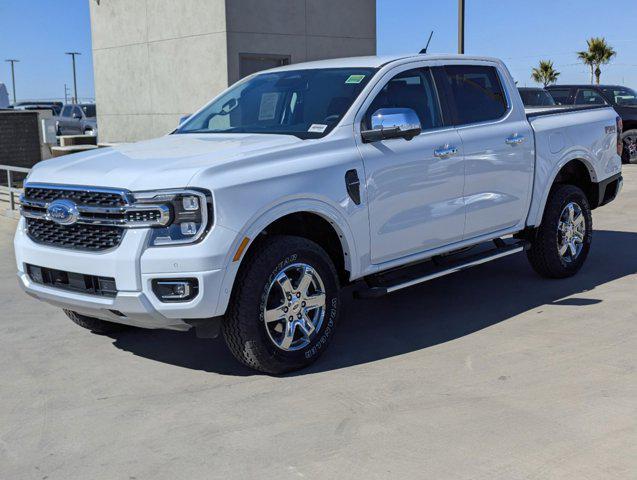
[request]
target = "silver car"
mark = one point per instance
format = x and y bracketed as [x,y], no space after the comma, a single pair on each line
[77,119]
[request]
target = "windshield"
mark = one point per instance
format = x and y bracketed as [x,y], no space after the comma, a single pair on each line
[89,110]
[304,103]
[536,98]
[620,95]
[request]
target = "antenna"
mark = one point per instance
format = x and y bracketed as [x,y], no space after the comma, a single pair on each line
[424,50]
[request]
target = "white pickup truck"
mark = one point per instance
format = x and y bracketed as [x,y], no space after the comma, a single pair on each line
[379,173]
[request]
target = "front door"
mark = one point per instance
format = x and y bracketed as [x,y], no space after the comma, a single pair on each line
[415,189]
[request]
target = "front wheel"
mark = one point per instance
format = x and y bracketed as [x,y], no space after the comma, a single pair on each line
[562,242]
[284,307]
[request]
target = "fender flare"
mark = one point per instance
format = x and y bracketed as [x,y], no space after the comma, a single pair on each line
[266,217]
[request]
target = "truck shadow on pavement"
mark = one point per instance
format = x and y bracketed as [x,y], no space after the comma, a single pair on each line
[419,317]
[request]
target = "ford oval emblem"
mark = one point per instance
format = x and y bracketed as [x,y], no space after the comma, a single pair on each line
[63,212]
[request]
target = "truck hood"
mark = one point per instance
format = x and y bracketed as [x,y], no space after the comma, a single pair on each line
[165,162]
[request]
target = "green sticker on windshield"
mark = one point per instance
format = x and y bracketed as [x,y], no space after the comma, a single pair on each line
[355,79]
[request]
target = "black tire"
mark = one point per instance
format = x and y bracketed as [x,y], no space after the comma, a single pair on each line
[95,325]
[543,254]
[629,153]
[244,328]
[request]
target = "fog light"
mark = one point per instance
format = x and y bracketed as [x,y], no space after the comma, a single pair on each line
[176,289]
[188,228]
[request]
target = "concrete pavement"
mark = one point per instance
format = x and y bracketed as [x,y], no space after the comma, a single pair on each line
[490,374]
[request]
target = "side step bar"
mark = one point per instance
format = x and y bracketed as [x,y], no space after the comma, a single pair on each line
[384,283]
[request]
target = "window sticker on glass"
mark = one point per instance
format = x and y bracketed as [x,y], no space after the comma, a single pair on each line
[355,79]
[267,109]
[317,128]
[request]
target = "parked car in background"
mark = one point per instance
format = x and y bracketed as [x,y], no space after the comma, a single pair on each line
[373,171]
[536,97]
[55,107]
[623,99]
[77,119]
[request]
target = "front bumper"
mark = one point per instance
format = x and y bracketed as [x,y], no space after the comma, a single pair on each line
[134,267]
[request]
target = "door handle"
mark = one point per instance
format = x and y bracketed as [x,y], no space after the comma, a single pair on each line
[446,151]
[515,140]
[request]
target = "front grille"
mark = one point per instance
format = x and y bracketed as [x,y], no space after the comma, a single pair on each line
[71,281]
[91,198]
[78,236]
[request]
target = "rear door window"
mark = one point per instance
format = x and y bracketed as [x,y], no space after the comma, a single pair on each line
[477,93]
[588,96]
[561,95]
[67,111]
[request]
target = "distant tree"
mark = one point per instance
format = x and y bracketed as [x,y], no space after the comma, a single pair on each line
[599,53]
[545,73]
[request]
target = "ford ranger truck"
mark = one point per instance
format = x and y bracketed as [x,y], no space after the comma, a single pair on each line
[249,218]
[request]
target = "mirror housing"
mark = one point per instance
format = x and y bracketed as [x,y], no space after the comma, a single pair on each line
[392,123]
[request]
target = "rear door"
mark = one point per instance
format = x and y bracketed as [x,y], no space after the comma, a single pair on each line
[65,120]
[498,147]
[414,187]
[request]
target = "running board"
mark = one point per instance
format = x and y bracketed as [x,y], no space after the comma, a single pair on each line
[394,280]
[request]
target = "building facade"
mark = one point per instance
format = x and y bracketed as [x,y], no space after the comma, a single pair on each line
[157,60]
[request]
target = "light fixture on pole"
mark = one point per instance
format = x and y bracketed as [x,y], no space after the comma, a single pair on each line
[12,61]
[74,76]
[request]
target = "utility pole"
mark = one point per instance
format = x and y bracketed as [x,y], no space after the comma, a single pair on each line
[66,94]
[12,61]
[461,26]
[74,76]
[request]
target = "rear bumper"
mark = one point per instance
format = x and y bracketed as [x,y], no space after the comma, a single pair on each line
[607,190]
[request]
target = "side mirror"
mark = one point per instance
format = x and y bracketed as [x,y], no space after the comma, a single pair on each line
[393,123]
[183,119]
[76,115]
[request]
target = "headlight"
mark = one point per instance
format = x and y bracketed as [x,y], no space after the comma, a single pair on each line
[190,215]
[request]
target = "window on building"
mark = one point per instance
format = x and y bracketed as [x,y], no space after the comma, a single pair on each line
[477,92]
[250,63]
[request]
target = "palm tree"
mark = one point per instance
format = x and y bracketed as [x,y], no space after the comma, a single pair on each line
[545,73]
[599,53]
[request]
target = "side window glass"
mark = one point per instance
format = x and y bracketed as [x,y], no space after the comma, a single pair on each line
[588,97]
[412,89]
[67,111]
[77,112]
[477,92]
[560,95]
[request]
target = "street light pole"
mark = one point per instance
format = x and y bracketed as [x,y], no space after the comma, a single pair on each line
[461,26]
[74,77]
[13,61]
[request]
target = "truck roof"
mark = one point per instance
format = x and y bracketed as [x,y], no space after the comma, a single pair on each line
[374,61]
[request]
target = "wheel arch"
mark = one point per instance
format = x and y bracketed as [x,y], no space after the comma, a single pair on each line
[311,219]
[574,170]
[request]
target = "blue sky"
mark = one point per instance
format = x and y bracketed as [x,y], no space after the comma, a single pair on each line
[38,32]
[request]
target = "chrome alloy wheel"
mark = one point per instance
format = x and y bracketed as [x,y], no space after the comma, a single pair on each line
[571,230]
[295,307]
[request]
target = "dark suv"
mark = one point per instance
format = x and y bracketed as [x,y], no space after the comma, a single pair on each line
[623,100]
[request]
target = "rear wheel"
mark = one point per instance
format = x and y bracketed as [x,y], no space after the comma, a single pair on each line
[285,305]
[562,242]
[629,154]
[95,325]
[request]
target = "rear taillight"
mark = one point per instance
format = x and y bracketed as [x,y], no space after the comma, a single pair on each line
[620,130]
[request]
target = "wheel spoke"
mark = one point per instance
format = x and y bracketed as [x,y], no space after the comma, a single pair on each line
[284,282]
[306,326]
[571,212]
[306,280]
[579,220]
[274,314]
[578,237]
[563,249]
[315,301]
[573,248]
[288,335]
